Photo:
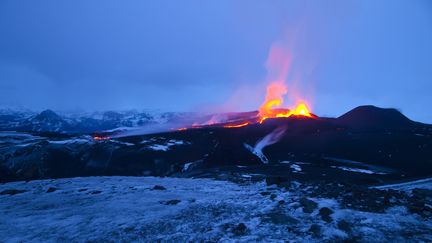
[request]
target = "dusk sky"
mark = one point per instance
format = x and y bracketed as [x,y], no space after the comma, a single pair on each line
[211,55]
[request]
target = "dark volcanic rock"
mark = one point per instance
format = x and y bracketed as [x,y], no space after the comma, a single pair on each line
[369,200]
[240,229]
[276,180]
[420,202]
[315,230]
[171,202]
[325,213]
[278,217]
[158,187]
[330,190]
[12,192]
[51,189]
[344,225]
[308,205]
[422,193]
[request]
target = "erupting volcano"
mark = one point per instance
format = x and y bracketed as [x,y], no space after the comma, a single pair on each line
[278,65]
[271,108]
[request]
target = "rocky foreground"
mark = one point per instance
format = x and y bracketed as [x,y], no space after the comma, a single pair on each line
[116,209]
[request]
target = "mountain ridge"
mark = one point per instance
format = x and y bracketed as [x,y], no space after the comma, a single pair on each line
[361,118]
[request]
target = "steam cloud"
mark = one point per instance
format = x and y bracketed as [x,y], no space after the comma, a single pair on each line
[269,139]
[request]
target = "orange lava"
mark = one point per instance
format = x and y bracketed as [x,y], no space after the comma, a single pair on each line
[238,125]
[100,138]
[274,99]
[182,129]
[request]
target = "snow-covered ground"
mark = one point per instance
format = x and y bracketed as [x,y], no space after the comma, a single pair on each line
[410,185]
[114,209]
[357,170]
[166,146]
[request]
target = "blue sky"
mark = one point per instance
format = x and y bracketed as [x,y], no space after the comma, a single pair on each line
[211,55]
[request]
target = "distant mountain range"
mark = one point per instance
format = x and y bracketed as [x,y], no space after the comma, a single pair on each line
[362,117]
[367,138]
[50,121]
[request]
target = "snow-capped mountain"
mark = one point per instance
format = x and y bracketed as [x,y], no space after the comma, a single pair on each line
[50,121]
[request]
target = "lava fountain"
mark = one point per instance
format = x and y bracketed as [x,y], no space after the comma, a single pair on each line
[274,100]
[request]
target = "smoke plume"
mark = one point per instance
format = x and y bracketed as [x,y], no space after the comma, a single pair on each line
[269,139]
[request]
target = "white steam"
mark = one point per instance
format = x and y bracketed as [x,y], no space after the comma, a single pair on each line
[269,139]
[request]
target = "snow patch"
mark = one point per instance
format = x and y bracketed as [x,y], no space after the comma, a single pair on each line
[166,146]
[296,168]
[358,170]
[123,143]
[408,186]
[285,162]
[67,141]
[186,166]
[158,147]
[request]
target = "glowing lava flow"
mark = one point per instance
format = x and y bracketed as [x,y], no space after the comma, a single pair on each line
[101,138]
[238,125]
[274,99]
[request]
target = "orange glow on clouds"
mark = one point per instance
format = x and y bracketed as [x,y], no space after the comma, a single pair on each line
[278,67]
